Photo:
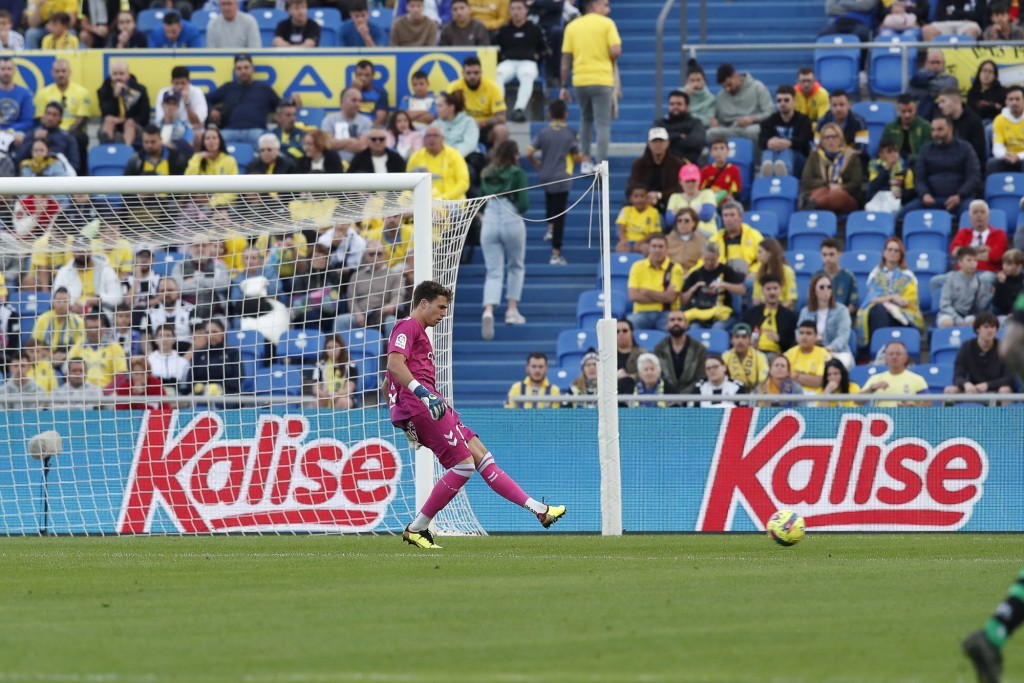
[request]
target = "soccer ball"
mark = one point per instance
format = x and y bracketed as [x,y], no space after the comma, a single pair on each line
[785,527]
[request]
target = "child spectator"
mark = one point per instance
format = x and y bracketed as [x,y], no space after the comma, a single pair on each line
[558,149]
[807,359]
[963,294]
[886,173]
[720,176]
[402,135]
[637,222]
[176,133]
[702,100]
[59,37]
[420,104]
[1009,282]
[703,202]
[1001,28]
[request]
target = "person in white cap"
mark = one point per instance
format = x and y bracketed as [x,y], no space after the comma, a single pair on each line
[656,169]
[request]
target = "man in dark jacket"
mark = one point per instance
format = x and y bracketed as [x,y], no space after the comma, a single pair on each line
[682,358]
[155,158]
[785,135]
[686,134]
[929,81]
[269,159]
[773,325]
[947,173]
[377,158]
[656,169]
[978,369]
[124,105]
[60,141]
[967,125]
[215,366]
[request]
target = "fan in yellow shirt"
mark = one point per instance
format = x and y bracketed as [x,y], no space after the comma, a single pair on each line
[807,360]
[897,379]
[485,101]
[637,222]
[396,238]
[103,359]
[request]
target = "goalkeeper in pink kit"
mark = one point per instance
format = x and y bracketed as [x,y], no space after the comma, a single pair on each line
[418,409]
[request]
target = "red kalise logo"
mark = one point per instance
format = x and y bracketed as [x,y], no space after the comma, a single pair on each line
[860,479]
[274,481]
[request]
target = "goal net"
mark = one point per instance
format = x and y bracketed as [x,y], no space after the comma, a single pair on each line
[205,354]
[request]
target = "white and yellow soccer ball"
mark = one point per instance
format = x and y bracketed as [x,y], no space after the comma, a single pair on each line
[785,527]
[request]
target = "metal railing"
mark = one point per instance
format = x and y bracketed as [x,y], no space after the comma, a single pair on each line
[806,400]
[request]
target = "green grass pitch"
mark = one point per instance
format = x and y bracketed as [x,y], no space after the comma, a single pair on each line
[507,609]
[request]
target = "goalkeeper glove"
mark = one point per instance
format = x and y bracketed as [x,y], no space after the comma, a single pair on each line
[431,400]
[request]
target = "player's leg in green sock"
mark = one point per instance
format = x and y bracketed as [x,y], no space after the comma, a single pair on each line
[1008,615]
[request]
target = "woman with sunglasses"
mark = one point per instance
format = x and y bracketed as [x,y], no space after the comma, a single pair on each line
[831,320]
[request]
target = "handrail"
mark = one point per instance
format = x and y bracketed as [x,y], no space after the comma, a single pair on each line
[747,399]
[659,40]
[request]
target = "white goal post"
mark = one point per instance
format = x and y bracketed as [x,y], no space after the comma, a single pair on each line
[442,225]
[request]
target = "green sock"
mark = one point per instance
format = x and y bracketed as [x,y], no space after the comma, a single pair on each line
[1008,615]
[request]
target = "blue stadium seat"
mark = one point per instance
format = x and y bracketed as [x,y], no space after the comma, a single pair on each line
[300,346]
[621,263]
[310,116]
[648,339]
[859,262]
[330,25]
[766,223]
[997,219]
[925,265]
[868,230]
[268,19]
[562,378]
[938,376]
[862,373]
[954,40]
[837,67]
[886,68]
[243,154]
[571,346]
[741,153]
[877,115]
[1003,192]
[164,261]
[927,230]
[249,343]
[369,373]
[803,285]
[109,159]
[279,380]
[808,262]
[775,195]
[910,336]
[715,341]
[590,307]
[808,228]
[382,16]
[363,343]
[29,303]
[150,19]
[201,20]
[946,343]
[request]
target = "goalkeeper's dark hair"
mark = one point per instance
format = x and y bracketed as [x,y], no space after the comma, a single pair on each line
[430,290]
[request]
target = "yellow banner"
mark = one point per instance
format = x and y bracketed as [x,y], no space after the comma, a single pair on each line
[317,76]
[963,63]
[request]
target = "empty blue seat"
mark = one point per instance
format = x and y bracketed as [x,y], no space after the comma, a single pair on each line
[362,343]
[243,154]
[860,262]
[369,373]
[715,341]
[868,230]
[279,380]
[164,261]
[620,265]
[268,19]
[927,230]
[803,285]
[1003,192]
[887,68]
[741,153]
[938,376]
[997,219]
[109,159]
[590,307]
[946,343]
[837,67]
[877,115]
[330,25]
[860,374]
[562,378]
[808,228]
[910,336]
[925,265]
[808,262]
[150,19]
[30,304]
[767,223]
[310,116]
[775,195]
[299,345]
[648,339]
[571,346]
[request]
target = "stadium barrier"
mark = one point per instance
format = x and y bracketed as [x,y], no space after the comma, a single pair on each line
[317,76]
[707,470]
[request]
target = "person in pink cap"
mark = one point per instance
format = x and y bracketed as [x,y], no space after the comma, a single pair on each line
[703,202]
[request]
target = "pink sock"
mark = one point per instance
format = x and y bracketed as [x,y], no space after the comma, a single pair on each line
[501,483]
[445,489]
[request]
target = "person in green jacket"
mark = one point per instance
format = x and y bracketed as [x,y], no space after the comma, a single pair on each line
[909,131]
[503,235]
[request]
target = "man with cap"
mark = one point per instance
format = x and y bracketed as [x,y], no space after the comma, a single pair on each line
[746,365]
[682,358]
[656,169]
[241,107]
[686,133]
[175,132]
[91,283]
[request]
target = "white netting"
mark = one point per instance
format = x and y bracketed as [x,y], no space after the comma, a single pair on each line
[251,322]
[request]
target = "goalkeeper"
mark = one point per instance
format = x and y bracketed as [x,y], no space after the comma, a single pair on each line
[421,413]
[985,647]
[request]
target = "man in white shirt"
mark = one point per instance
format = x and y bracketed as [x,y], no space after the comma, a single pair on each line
[349,129]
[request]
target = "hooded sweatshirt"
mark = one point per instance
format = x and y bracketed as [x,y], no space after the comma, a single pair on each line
[702,105]
[1007,134]
[752,99]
